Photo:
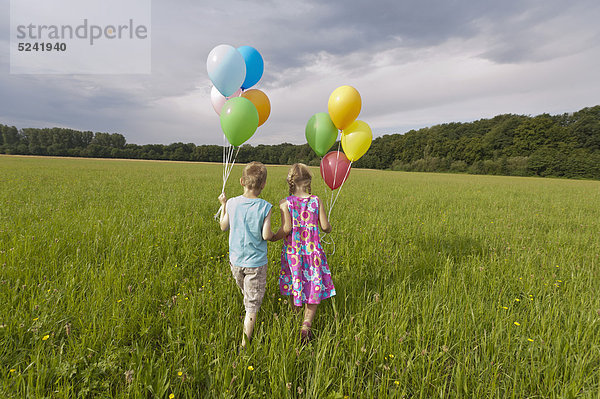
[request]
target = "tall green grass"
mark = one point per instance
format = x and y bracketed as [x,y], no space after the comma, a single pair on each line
[114,282]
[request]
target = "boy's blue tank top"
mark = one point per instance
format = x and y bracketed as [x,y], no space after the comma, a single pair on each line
[246,218]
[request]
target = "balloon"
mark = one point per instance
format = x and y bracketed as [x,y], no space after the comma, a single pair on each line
[254,66]
[356,140]
[239,120]
[321,133]
[335,168]
[344,106]
[261,102]
[217,99]
[226,69]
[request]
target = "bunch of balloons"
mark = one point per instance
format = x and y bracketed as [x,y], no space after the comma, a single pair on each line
[322,132]
[232,72]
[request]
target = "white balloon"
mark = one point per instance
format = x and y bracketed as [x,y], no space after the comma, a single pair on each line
[226,69]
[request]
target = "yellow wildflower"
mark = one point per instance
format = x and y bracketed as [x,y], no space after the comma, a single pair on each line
[12,370]
[517,323]
[45,337]
[250,368]
[180,373]
[35,319]
[529,339]
[397,382]
[172,396]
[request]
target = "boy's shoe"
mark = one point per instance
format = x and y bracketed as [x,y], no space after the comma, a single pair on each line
[244,344]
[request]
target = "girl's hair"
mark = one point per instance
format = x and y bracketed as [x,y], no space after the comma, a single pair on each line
[299,177]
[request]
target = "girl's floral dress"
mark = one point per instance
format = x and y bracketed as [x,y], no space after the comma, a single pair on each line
[304,271]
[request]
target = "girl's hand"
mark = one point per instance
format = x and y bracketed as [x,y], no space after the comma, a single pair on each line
[223,199]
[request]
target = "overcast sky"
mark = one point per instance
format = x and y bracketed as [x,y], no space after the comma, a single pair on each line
[415,64]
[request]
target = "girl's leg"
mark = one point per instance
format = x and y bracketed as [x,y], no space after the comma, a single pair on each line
[297,309]
[309,315]
[309,312]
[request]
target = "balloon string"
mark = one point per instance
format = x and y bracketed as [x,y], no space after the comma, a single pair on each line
[329,202]
[232,163]
[339,190]
[330,242]
[224,159]
[225,167]
[228,163]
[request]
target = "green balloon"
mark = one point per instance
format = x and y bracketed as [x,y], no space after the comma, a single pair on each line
[239,120]
[321,133]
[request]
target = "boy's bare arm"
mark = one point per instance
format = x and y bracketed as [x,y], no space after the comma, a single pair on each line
[267,234]
[224,218]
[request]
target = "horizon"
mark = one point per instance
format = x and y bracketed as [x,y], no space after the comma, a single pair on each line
[302,143]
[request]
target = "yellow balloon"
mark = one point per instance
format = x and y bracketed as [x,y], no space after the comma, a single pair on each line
[344,106]
[356,140]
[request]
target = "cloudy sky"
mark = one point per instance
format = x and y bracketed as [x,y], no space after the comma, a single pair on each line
[415,63]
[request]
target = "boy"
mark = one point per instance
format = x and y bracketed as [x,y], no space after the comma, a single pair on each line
[248,219]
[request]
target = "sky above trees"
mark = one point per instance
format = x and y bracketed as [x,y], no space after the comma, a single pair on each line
[415,63]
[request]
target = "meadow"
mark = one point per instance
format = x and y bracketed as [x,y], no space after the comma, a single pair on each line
[114,282]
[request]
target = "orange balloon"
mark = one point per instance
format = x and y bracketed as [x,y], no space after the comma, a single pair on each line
[261,102]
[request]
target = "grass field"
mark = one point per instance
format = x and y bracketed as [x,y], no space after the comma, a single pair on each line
[114,282]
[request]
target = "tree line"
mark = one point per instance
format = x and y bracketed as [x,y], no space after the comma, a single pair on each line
[566,145]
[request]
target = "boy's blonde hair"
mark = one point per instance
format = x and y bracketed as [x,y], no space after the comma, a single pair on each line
[299,176]
[254,176]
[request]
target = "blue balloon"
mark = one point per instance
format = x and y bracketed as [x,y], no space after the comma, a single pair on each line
[254,66]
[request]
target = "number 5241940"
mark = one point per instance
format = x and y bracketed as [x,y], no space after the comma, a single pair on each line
[42,46]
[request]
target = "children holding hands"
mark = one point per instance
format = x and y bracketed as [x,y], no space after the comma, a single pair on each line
[305,274]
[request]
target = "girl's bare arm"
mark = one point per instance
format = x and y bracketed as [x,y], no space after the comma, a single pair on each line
[323,221]
[286,221]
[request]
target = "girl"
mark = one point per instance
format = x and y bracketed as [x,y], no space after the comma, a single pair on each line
[304,273]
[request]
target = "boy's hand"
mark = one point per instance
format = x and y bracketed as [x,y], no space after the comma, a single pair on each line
[223,199]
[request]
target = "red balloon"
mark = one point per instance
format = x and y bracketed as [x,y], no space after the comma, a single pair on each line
[335,168]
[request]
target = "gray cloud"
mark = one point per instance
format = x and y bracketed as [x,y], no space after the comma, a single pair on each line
[414,63]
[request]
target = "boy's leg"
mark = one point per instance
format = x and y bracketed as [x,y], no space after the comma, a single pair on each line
[238,276]
[255,282]
[249,322]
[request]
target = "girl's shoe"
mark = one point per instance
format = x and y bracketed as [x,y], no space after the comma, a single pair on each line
[306,334]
